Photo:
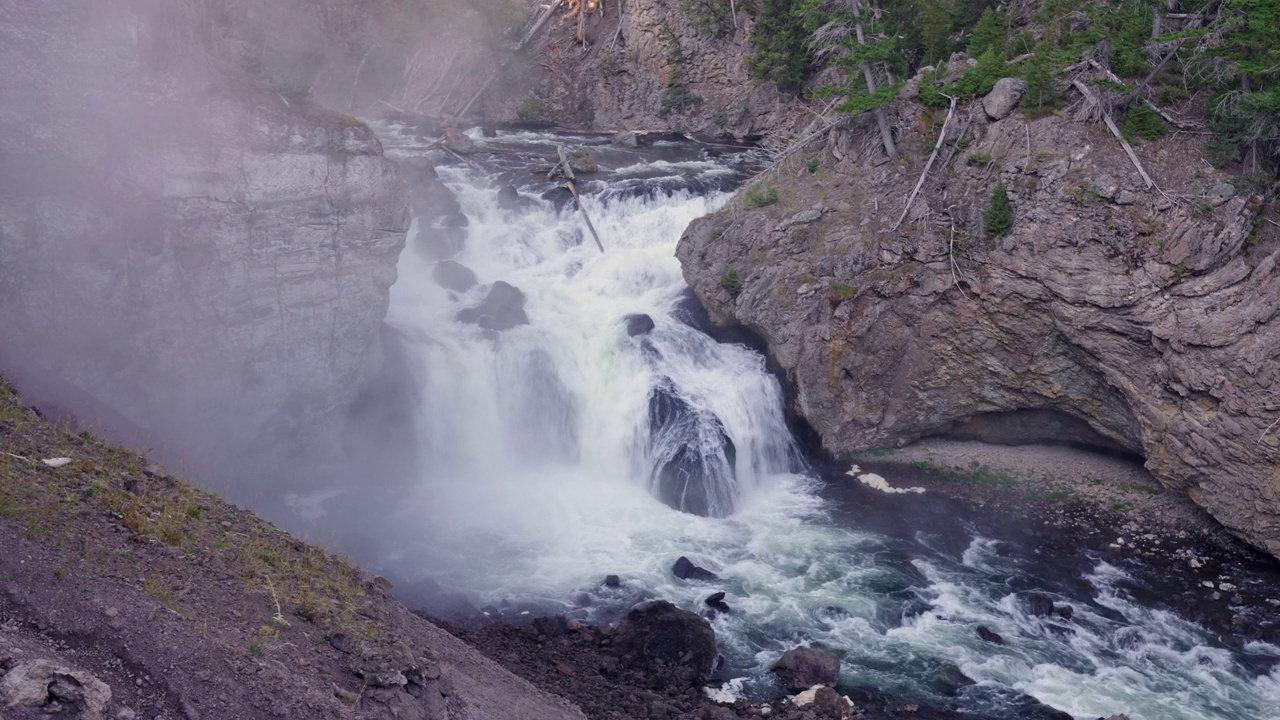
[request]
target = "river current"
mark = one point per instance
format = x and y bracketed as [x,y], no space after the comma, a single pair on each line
[540,459]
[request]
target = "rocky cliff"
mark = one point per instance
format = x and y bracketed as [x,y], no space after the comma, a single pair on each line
[1111,314]
[650,65]
[207,257]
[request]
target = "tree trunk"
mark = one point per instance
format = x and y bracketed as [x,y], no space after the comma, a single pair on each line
[882,119]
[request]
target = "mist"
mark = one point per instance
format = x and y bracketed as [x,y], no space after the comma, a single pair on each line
[198,239]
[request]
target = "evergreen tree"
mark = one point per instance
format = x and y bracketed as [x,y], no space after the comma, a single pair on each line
[988,34]
[997,219]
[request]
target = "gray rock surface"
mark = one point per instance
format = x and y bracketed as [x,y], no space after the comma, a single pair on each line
[40,683]
[203,257]
[501,309]
[1004,97]
[1153,323]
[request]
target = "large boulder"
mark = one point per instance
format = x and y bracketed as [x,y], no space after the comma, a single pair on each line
[671,646]
[802,668]
[501,309]
[37,683]
[1003,98]
[692,457]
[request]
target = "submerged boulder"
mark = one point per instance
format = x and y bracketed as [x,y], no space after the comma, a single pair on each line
[684,569]
[671,646]
[501,309]
[453,276]
[692,456]
[802,668]
[638,324]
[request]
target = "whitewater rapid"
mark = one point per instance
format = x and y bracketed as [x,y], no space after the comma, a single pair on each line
[534,485]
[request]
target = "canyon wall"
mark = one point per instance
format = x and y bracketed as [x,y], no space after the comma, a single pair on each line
[185,252]
[1148,314]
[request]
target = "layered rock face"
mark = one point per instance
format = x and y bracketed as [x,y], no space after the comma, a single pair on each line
[647,65]
[1149,315]
[202,256]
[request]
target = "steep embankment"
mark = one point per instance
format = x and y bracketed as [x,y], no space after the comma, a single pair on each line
[206,257]
[125,593]
[1145,319]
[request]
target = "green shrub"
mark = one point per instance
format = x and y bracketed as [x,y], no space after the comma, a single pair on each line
[979,158]
[781,41]
[979,79]
[842,291]
[988,34]
[731,282]
[760,195]
[1140,121]
[997,219]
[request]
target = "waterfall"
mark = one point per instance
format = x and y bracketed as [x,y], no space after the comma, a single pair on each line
[574,422]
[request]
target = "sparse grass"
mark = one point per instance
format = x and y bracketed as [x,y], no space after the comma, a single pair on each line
[731,282]
[976,473]
[760,195]
[1139,487]
[103,481]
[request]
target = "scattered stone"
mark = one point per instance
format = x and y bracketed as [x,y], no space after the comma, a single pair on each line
[453,275]
[686,570]
[990,635]
[612,581]
[801,668]
[803,217]
[638,324]
[1003,98]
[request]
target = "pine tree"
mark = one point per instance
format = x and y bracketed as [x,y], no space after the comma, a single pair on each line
[988,34]
[997,219]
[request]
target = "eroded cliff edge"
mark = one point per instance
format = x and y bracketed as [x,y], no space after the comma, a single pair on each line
[1150,315]
[193,251]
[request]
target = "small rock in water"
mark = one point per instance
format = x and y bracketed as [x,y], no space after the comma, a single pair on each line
[714,598]
[990,635]
[612,581]
[1064,611]
[686,570]
[638,324]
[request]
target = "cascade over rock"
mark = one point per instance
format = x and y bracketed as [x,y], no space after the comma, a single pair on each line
[1152,322]
[693,456]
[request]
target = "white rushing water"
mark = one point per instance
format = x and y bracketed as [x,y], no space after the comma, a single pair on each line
[539,466]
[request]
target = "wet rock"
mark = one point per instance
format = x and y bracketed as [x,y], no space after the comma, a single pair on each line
[558,196]
[1039,605]
[458,142]
[1003,98]
[949,680]
[440,243]
[453,276]
[582,161]
[686,570]
[801,668]
[989,635]
[612,581]
[638,324]
[716,602]
[501,309]
[1066,612]
[38,683]
[625,139]
[454,220]
[693,457]
[673,647]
